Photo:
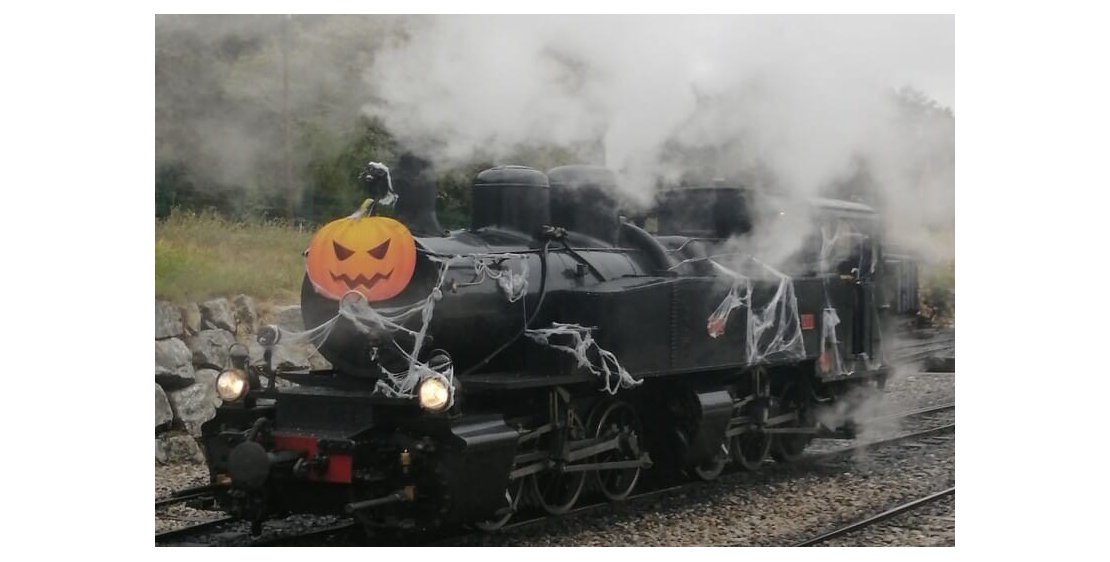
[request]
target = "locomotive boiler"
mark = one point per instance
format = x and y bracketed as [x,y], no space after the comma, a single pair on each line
[553,349]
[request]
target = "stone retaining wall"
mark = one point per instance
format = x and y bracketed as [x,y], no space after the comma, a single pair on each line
[191,346]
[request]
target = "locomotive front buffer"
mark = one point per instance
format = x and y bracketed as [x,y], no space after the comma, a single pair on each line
[386,461]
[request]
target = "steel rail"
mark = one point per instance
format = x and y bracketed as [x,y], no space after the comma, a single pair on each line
[296,538]
[349,525]
[689,485]
[919,412]
[186,494]
[175,534]
[840,531]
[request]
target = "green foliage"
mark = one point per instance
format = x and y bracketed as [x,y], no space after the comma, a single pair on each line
[199,256]
[332,188]
[938,293]
[453,195]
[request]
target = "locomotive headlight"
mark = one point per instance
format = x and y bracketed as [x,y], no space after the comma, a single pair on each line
[434,394]
[232,385]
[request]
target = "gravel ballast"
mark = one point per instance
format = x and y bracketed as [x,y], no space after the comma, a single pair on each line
[781,505]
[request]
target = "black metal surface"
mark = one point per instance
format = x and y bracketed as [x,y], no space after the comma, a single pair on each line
[693,300]
[249,465]
[511,197]
[717,212]
[582,201]
[900,283]
[620,290]
[416,195]
[714,411]
[335,411]
[636,237]
[646,299]
[476,465]
[394,497]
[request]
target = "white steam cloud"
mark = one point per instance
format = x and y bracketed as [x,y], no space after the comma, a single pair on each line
[803,103]
[795,103]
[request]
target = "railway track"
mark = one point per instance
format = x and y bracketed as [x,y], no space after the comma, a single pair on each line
[182,496]
[868,521]
[937,347]
[180,535]
[312,537]
[183,535]
[812,458]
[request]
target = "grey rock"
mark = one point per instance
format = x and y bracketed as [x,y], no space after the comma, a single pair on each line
[210,348]
[173,364]
[246,319]
[167,321]
[256,353]
[288,318]
[163,413]
[216,314]
[196,404]
[176,448]
[190,315]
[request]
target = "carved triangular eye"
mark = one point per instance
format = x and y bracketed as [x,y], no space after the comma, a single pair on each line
[379,252]
[341,252]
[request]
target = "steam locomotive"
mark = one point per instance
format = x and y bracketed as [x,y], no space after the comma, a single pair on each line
[553,349]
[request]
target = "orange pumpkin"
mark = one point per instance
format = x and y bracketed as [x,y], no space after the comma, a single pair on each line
[372,255]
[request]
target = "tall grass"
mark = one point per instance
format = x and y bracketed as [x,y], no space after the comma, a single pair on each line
[203,256]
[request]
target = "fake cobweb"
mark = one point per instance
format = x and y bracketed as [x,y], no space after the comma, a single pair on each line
[581,342]
[772,329]
[372,172]
[392,320]
[510,272]
[838,245]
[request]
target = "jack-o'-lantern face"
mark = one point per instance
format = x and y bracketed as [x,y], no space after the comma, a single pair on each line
[372,255]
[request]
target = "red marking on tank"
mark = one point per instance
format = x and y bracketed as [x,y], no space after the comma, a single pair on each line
[715,327]
[807,322]
[339,466]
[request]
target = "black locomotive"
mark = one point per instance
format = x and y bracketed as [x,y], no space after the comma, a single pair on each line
[556,348]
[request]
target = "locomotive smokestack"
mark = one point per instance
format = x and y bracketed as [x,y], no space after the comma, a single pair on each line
[582,200]
[416,190]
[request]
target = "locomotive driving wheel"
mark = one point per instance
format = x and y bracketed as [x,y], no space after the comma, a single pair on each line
[788,447]
[750,449]
[512,501]
[709,470]
[617,419]
[556,491]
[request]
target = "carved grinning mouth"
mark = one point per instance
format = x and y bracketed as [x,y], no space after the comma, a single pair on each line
[360,279]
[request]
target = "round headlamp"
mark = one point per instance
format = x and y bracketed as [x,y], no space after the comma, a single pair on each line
[232,385]
[434,394]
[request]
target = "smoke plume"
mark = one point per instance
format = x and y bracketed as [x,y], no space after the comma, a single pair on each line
[850,106]
[802,105]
